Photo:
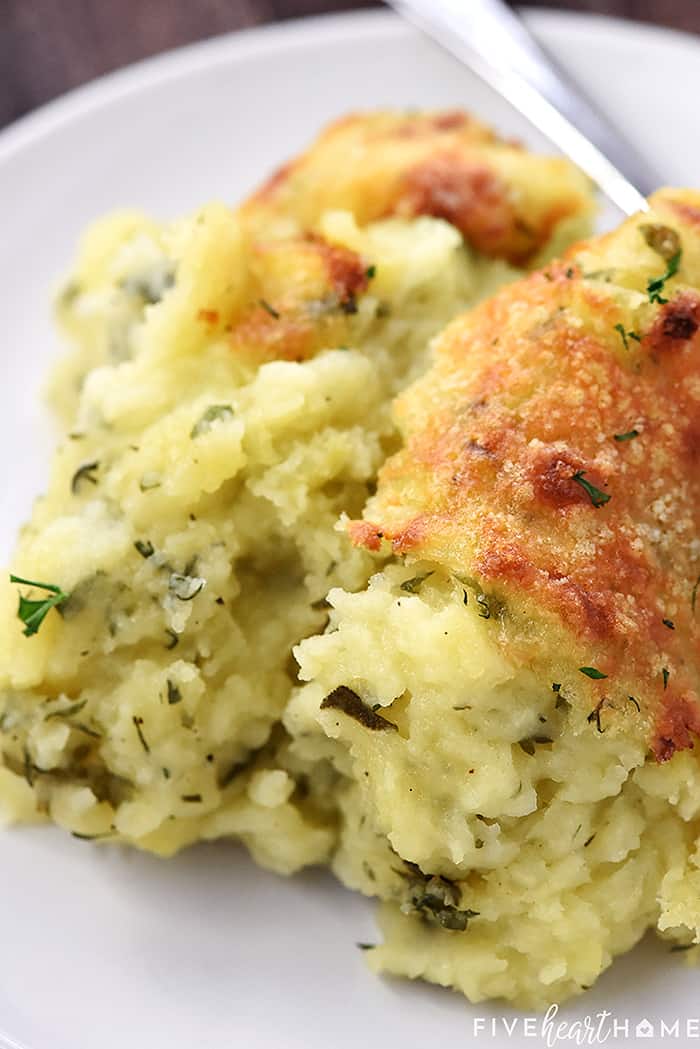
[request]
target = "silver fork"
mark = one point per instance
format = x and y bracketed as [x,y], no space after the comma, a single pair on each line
[495,44]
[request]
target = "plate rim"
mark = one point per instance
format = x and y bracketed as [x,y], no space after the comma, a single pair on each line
[240,44]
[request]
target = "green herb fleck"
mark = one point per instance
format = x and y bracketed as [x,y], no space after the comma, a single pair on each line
[630,435]
[195,798]
[371,272]
[92,837]
[366,946]
[86,472]
[174,693]
[655,285]
[213,414]
[597,497]
[138,722]
[174,639]
[627,335]
[593,673]
[166,773]
[665,674]
[185,587]
[694,595]
[33,611]
[556,687]
[484,607]
[661,239]
[412,586]
[269,309]
[588,841]
[669,623]
[436,899]
[344,699]
[145,548]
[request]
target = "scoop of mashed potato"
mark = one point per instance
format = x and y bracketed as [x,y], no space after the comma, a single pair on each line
[226,399]
[513,701]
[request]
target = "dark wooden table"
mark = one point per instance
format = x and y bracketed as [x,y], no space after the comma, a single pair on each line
[49,46]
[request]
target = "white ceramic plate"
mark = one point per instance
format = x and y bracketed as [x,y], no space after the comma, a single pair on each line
[103,949]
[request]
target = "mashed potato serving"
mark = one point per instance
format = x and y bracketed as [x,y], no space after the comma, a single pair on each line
[442,639]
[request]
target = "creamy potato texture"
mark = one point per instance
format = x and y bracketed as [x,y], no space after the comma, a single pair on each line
[222,660]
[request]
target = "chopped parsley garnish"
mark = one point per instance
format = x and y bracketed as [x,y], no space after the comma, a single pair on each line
[33,611]
[86,472]
[627,335]
[185,587]
[655,285]
[366,946]
[556,686]
[145,548]
[694,595]
[630,435]
[665,674]
[669,623]
[269,309]
[593,673]
[597,497]
[213,414]
[174,693]
[191,797]
[344,699]
[371,272]
[138,722]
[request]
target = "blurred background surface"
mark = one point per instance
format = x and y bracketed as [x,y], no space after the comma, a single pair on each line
[50,46]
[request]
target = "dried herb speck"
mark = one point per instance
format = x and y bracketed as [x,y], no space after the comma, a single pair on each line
[347,701]
[85,472]
[174,693]
[412,586]
[529,744]
[138,722]
[185,587]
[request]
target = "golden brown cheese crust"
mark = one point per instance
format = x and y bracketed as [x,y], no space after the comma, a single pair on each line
[570,379]
[302,296]
[505,201]
[303,291]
